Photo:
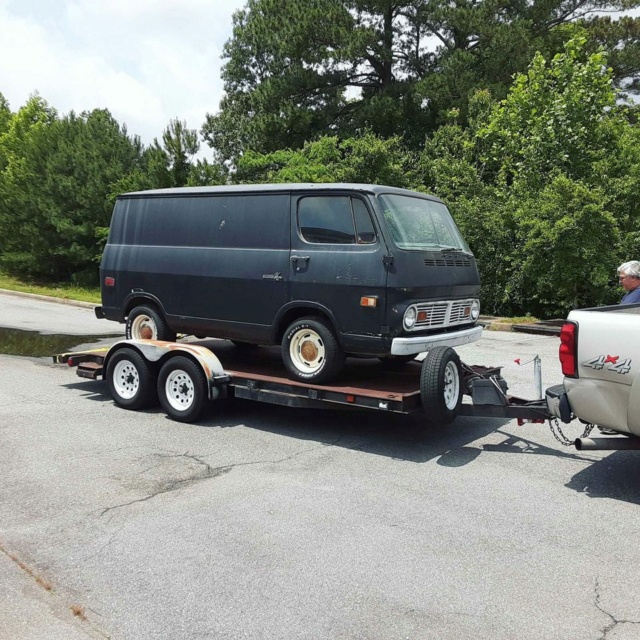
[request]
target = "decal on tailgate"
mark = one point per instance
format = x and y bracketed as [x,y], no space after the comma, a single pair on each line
[599,362]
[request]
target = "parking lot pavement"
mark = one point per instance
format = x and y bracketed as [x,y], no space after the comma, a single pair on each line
[27,312]
[31,610]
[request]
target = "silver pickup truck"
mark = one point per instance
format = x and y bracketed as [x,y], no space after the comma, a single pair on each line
[600,359]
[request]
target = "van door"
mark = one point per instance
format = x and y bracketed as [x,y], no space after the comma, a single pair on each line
[230,280]
[336,262]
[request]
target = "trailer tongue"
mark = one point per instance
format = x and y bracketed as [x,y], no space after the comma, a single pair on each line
[183,376]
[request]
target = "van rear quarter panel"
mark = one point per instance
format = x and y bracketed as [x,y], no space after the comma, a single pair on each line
[207,259]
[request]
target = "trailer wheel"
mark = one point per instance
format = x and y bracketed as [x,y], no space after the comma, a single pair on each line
[441,385]
[311,352]
[182,389]
[145,323]
[131,380]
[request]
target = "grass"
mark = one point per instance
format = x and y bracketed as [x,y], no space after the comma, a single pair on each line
[63,290]
[518,320]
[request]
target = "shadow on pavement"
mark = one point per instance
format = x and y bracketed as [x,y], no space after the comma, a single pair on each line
[617,477]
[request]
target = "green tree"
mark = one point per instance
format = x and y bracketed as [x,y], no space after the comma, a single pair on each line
[557,117]
[542,185]
[23,231]
[299,69]
[55,189]
[366,159]
[179,146]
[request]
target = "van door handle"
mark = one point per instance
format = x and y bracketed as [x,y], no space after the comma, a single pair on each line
[295,259]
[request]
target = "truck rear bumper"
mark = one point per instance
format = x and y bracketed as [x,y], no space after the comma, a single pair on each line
[558,403]
[420,344]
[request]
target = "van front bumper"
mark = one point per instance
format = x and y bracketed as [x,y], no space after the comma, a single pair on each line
[420,344]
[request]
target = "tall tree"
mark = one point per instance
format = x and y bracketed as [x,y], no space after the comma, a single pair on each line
[179,145]
[298,69]
[540,182]
[54,191]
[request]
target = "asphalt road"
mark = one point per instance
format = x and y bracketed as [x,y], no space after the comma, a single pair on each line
[269,522]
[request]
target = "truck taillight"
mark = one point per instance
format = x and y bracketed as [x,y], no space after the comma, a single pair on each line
[568,347]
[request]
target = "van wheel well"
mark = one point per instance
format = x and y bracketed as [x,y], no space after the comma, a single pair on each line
[141,302]
[295,314]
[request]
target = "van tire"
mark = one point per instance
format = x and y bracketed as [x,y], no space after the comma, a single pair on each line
[182,389]
[311,352]
[441,385]
[131,380]
[146,323]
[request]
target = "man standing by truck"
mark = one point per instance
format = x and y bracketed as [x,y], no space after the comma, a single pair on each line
[629,277]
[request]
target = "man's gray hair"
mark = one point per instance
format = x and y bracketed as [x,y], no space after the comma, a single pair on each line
[631,268]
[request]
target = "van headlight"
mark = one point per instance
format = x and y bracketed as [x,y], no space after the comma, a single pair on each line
[409,319]
[475,309]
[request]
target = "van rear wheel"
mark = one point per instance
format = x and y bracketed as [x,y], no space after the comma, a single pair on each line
[145,323]
[311,352]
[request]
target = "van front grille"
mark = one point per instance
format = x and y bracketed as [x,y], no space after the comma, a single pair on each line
[447,262]
[435,315]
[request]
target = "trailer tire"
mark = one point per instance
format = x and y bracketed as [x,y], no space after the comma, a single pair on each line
[441,385]
[310,351]
[146,323]
[131,380]
[182,389]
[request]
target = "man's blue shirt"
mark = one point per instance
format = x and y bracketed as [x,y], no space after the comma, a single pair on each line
[631,297]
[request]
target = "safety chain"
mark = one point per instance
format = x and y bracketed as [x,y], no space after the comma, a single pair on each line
[561,438]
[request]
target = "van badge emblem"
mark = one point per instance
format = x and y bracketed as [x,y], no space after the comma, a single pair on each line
[273,276]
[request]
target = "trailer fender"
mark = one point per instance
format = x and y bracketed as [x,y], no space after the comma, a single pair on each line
[157,350]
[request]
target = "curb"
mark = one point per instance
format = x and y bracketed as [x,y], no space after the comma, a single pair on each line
[38,296]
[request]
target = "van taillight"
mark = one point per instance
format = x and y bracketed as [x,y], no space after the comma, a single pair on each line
[568,347]
[109,281]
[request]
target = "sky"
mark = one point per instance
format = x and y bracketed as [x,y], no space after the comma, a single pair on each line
[146,61]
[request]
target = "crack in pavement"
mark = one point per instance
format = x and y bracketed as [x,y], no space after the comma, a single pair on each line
[614,621]
[207,472]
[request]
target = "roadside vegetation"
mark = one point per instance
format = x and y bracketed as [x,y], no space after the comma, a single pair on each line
[65,291]
[522,119]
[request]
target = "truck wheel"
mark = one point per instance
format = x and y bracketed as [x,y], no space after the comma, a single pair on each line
[311,352]
[182,389]
[131,380]
[441,385]
[145,323]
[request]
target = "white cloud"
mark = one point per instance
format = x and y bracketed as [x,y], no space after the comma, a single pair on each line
[147,61]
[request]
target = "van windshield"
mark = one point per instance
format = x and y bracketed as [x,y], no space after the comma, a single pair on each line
[418,224]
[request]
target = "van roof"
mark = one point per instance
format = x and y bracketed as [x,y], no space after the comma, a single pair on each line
[276,188]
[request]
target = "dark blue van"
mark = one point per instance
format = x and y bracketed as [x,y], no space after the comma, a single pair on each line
[325,270]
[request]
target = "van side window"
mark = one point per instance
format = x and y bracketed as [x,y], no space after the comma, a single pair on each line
[326,219]
[335,220]
[365,232]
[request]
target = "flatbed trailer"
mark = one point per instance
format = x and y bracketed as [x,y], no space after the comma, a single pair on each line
[183,376]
